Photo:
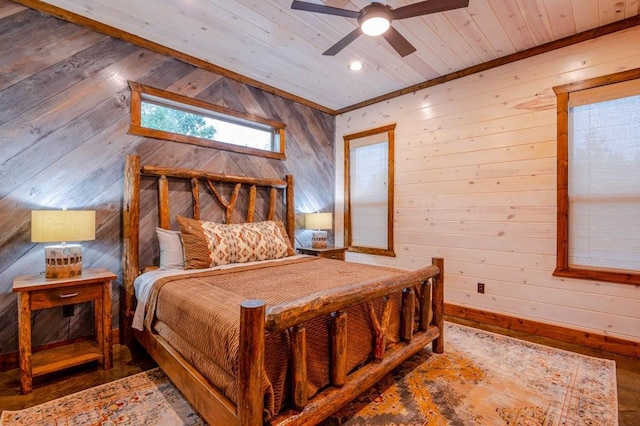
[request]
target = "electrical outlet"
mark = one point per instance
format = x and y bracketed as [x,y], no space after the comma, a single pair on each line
[481,288]
[68,311]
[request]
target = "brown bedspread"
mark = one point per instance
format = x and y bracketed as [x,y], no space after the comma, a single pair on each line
[199,314]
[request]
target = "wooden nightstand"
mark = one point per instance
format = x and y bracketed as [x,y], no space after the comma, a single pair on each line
[37,292]
[329,252]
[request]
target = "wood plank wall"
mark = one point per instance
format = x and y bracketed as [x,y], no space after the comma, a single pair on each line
[64,115]
[476,184]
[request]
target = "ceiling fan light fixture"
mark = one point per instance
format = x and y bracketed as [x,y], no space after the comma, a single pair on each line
[375,19]
[375,25]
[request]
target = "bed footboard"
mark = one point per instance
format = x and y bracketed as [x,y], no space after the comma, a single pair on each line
[423,288]
[415,333]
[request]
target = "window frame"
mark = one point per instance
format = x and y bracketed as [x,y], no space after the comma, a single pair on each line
[563,269]
[138,92]
[389,251]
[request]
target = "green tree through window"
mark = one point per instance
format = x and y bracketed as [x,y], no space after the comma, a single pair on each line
[175,121]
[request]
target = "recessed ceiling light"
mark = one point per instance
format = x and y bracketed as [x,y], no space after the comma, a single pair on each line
[356,66]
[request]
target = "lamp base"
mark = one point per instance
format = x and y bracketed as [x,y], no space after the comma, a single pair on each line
[319,239]
[63,261]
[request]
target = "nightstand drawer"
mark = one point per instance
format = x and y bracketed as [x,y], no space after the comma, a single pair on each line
[336,253]
[41,299]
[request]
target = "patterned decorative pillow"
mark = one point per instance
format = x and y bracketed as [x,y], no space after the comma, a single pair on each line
[208,244]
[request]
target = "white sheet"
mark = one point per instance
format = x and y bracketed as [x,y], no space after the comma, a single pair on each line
[142,285]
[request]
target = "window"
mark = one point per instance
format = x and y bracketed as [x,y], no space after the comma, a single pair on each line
[163,115]
[369,191]
[599,179]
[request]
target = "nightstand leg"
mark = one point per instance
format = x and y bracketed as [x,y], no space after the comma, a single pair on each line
[24,341]
[98,322]
[107,349]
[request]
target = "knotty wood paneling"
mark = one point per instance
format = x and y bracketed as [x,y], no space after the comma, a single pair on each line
[476,184]
[64,116]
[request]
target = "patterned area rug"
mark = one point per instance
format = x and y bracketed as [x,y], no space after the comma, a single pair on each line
[147,398]
[489,379]
[482,379]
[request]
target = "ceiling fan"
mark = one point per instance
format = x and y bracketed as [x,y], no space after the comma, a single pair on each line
[375,19]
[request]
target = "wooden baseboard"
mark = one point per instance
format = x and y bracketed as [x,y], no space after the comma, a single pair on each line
[10,361]
[563,334]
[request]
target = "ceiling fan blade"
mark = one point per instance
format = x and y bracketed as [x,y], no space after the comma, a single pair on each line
[398,42]
[333,50]
[427,7]
[320,8]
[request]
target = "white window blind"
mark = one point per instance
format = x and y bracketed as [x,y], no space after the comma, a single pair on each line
[369,162]
[604,177]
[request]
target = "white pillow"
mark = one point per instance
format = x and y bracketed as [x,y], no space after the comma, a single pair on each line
[171,252]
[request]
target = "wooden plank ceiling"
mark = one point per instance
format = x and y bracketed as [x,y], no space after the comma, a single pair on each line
[270,43]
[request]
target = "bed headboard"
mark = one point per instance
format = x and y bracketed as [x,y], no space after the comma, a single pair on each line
[196,179]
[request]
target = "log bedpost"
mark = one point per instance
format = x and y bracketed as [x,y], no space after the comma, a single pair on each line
[251,362]
[130,231]
[438,304]
[291,214]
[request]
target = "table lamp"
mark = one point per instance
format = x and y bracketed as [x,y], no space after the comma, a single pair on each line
[63,260]
[318,222]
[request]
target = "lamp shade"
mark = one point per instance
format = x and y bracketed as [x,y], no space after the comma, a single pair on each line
[62,225]
[318,221]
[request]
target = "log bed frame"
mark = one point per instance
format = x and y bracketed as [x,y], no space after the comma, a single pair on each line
[255,318]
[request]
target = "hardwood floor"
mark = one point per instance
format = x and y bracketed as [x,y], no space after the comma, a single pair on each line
[55,385]
[126,362]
